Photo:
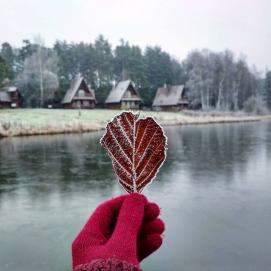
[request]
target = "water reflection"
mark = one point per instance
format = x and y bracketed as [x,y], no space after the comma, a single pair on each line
[213,150]
[214,190]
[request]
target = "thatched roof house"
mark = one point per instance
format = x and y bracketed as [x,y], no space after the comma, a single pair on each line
[10,97]
[79,95]
[170,98]
[123,96]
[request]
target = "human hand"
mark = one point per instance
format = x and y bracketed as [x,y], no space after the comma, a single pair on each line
[119,234]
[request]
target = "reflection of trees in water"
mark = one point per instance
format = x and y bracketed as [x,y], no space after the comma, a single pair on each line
[84,160]
[42,165]
[213,150]
[8,158]
[268,140]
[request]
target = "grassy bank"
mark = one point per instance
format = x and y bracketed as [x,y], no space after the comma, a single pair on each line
[52,121]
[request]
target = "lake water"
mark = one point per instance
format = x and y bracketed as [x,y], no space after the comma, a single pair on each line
[214,191]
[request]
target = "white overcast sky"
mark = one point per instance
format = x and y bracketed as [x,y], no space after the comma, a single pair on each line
[178,26]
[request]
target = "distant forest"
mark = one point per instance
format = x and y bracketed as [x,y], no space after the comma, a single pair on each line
[214,80]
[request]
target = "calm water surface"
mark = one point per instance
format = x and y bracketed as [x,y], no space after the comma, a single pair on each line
[214,191]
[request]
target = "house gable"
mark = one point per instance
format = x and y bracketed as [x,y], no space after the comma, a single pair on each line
[11,97]
[124,90]
[78,90]
[83,91]
[130,93]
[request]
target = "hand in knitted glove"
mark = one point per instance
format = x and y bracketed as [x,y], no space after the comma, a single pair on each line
[119,234]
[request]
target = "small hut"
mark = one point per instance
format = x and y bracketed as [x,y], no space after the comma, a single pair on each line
[10,97]
[170,98]
[123,96]
[79,95]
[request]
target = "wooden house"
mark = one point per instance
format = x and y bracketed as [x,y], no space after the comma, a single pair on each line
[123,96]
[79,95]
[10,97]
[170,98]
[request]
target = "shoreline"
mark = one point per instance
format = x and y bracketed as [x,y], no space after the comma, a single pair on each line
[29,122]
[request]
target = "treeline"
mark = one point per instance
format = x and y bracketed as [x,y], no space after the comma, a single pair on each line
[214,80]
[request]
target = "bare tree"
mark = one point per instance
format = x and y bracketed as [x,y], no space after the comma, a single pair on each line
[38,78]
[40,43]
[216,80]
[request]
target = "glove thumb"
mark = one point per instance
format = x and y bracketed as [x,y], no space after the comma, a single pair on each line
[128,224]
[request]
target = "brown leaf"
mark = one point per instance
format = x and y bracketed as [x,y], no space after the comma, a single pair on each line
[136,148]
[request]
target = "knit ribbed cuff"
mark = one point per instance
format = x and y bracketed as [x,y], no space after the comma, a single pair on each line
[106,265]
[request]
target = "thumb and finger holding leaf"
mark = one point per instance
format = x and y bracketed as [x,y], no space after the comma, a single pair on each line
[142,216]
[103,221]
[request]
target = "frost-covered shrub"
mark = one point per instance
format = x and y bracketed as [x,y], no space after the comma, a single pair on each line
[255,105]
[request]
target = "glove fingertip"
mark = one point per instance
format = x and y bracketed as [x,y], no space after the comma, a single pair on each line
[138,197]
[149,244]
[152,211]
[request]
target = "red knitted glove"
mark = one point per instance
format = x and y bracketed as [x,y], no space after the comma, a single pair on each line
[119,234]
